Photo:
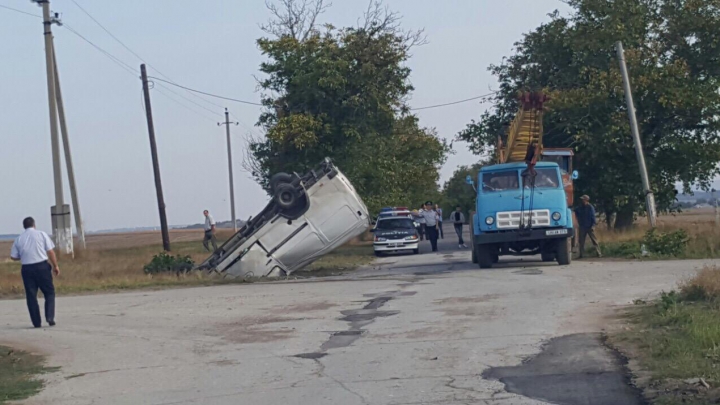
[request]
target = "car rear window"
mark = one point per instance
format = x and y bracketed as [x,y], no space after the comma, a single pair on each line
[395,223]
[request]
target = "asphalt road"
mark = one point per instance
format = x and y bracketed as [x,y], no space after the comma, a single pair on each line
[417,329]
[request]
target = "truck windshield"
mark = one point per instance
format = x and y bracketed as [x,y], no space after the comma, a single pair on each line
[395,223]
[546,178]
[500,181]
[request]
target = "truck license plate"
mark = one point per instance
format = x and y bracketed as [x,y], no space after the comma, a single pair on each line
[557,232]
[393,245]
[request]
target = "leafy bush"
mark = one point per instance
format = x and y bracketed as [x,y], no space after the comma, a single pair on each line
[666,244]
[165,263]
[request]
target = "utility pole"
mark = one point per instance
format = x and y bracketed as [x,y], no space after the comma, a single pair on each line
[230,167]
[60,212]
[649,197]
[68,156]
[715,204]
[156,165]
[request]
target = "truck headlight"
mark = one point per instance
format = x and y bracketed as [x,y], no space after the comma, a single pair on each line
[489,220]
[412,237]
[556,216]
[379,239]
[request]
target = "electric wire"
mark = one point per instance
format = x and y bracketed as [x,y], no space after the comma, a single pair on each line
[454,102]
[135,53]
[20,11]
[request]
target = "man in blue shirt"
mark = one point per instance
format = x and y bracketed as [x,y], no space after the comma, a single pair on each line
[585,214]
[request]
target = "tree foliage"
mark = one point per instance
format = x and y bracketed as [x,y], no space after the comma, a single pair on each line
[456,192]
[341,93]
[673,55]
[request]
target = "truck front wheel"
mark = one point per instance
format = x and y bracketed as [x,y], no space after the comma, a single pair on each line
[485,256]
[564,251]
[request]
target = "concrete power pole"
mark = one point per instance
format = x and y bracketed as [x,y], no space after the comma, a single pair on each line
[230,167]
[60,212]
[156,165]
[68,156]
[649,196]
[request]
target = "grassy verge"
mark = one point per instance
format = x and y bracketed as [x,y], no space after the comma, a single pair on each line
[675,341]
[18,374]
[122,269]
[703,241]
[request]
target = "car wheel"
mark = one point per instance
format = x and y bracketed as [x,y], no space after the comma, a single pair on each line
[279,178]
[547,257]
[564,251]
[378,254]
[286,196]
[485,256]
[416,251]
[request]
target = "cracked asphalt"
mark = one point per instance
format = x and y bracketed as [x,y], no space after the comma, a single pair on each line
[416,329]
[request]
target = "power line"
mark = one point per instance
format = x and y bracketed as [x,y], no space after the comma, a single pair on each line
[183,105]
[110,56]
[20,11]
[135,53]
[135,73]
[207,94]
[454,102]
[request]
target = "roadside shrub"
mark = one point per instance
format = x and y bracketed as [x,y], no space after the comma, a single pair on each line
[704,286]
[165,263]
[666,244]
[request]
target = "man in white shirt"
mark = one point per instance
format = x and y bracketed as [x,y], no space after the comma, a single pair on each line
[209,231]
[34,249]
[431,223]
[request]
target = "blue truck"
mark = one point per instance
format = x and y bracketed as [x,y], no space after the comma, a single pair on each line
[521,209]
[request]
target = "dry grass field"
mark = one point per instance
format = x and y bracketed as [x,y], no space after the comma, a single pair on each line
[114,262]
[699,224]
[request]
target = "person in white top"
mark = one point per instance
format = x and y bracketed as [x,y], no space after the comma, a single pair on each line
[209,231]
[431,223]
[33,249]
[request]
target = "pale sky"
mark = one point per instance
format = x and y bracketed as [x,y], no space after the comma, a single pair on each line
[208,45]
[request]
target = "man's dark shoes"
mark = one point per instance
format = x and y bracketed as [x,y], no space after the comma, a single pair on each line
[51,323]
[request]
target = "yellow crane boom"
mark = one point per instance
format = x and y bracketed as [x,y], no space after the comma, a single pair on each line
[525,132]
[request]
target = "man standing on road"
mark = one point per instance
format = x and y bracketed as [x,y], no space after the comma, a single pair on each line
[458,221]
[431,224]
[440,221]
[33,249]
[586,221]
[209,231]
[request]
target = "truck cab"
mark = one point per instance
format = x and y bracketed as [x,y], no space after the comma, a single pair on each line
[521,210]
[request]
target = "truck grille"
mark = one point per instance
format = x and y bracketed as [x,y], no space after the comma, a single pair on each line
[511,219]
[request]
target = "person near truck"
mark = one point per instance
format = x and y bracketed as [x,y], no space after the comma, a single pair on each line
[586,222]
[209,231]
[420,219]
[458,219]
[431,224]
[440,221]
[34,250]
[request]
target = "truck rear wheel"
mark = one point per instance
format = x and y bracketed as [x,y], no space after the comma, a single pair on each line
[564,251]
[485,256]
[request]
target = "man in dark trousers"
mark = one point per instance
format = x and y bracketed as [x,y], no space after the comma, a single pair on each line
[431,218]
[586,222]
[34,249]
[458,220]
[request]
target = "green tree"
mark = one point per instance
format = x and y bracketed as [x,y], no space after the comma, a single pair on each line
[341,93]
[673,55]
[456,192]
